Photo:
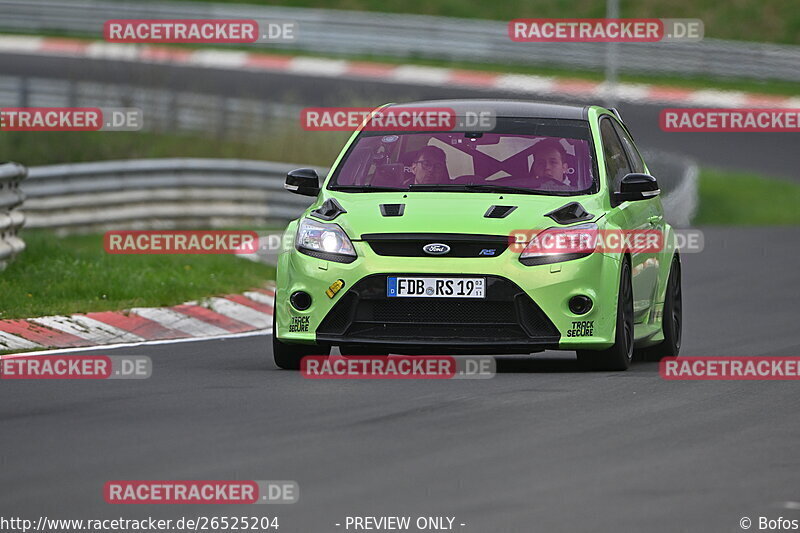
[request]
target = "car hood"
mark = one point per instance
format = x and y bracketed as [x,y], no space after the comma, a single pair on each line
[451,212]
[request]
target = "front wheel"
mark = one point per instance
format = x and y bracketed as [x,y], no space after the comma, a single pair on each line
[672,319]
[619,356]
[288,356]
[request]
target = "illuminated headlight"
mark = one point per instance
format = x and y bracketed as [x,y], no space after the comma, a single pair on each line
[555,245]
[324,241]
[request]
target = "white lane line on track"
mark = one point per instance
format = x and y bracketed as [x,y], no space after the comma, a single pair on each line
[175,320]
[267,331]
[86,328]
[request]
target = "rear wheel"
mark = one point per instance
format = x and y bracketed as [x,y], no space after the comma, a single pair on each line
[672,320]
[619,356]
[288,356]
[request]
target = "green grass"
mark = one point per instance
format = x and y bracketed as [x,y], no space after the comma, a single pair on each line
[746,20]
[289,143]
[743,199]
[73,274]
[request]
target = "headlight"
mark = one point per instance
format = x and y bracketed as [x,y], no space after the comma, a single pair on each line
[555,245]
[324,241]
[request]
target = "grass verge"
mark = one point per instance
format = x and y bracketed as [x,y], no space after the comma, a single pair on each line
[743,199]
[748,20]
[287,143]
[73,274]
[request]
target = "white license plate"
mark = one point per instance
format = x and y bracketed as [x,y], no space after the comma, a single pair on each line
[436,287]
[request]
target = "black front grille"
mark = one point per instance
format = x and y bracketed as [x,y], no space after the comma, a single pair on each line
[412,244]
[506,316]
[436,311]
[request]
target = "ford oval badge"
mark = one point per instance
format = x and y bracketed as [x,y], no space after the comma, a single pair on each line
[436,248]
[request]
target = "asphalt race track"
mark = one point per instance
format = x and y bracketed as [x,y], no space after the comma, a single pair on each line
[540,447]
[764,153]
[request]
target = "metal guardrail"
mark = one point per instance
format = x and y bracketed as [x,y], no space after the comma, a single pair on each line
[159,193]
[168,193]
[11,218]
[164,110]
[363,33]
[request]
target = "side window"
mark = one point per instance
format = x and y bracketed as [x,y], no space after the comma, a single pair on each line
[617,164]
[633,154]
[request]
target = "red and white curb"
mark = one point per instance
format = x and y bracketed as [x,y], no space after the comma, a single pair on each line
[211,317]
[382,72]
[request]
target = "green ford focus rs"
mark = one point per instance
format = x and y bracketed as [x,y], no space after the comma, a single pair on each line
[543,232]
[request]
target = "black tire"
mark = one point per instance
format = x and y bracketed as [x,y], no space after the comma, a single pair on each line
[620,355]
[672,320]
[288,356]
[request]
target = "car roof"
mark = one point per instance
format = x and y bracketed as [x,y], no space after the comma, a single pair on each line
[507,108]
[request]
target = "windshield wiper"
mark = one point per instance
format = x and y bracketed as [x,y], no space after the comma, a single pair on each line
[366,188]
[488,187]
[473,187]
[435,187]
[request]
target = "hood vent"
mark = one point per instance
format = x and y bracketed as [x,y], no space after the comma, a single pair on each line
[329,210]
[499,211]
[570,213]
[392,210]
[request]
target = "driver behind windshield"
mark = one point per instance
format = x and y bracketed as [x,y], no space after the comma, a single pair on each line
[550,165]
[430,166]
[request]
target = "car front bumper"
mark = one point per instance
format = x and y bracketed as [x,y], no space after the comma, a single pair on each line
[525,309]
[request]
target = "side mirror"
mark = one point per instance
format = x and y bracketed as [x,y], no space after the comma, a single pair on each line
[634,187]
[302,181]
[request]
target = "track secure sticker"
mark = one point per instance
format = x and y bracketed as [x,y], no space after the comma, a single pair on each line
[581,328]
[299,324]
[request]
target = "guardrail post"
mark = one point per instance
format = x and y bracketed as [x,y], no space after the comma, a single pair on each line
[11,218]
[72,94]
[24,92]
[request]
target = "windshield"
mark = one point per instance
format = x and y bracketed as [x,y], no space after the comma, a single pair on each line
[531,156]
